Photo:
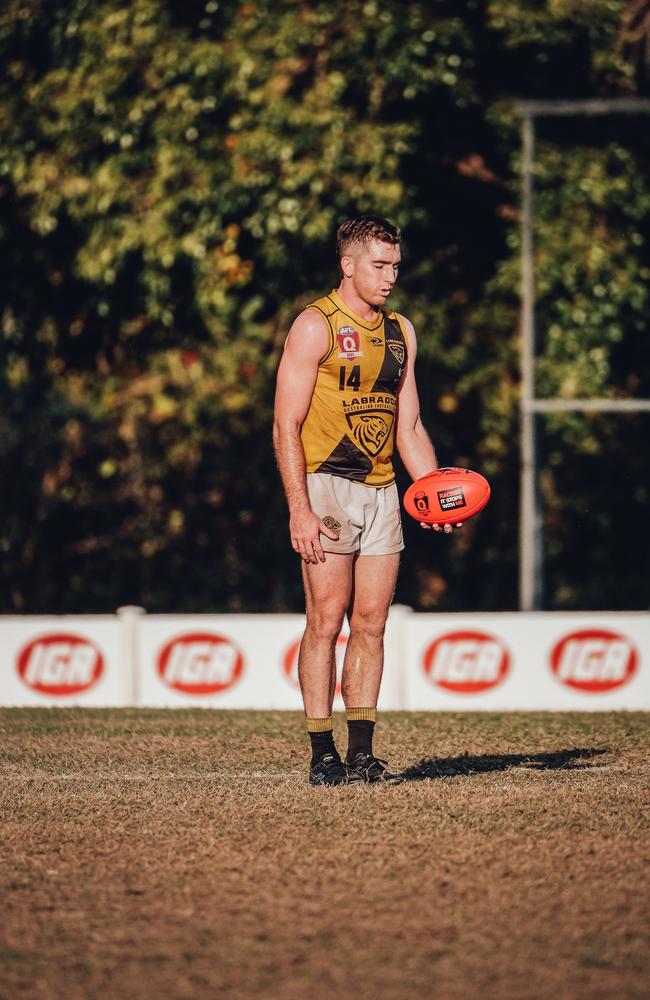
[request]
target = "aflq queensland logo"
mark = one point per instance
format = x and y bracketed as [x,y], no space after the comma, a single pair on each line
[60,664]
[466,662]
[200,663]
[594,660]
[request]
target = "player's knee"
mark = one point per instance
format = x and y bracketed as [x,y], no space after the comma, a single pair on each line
[370,625]
[325,623]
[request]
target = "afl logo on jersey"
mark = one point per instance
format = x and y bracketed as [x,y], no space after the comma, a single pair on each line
[349,343]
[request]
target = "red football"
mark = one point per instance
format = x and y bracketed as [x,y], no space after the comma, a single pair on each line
[447,496]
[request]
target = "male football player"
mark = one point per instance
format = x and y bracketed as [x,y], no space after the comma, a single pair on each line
[346,393]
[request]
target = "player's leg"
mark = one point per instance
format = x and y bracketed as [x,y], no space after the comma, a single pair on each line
[328,588]
[372,592]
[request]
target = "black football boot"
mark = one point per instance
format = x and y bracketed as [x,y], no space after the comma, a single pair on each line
[372,769]
[330,770]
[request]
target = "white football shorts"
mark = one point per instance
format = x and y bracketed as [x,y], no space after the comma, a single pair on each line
[367,518]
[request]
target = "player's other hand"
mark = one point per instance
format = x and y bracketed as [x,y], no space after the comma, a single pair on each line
[447,528]
[305,529]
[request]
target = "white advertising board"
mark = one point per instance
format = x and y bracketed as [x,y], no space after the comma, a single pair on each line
[237,661]
[63,660]
[217,661]
[433,662]
[555,661]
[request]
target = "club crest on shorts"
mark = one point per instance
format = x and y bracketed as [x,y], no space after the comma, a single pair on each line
[349,343]
[370,428]
[331,523]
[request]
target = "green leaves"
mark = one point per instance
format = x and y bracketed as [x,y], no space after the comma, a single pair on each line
[171,178]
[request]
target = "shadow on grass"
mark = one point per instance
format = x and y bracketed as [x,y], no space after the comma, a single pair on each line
[452,767]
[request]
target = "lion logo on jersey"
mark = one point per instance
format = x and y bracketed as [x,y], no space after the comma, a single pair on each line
[370,429]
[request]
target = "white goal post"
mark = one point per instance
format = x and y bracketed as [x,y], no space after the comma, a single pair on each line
[530,513]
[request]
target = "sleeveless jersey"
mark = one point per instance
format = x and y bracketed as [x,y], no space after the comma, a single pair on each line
[349,429]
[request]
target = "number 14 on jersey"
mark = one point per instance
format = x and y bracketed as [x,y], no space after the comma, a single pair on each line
[353,380]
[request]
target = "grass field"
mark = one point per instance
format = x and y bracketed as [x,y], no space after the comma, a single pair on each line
[182,854]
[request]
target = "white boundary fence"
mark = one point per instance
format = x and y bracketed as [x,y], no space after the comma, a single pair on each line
[493,662]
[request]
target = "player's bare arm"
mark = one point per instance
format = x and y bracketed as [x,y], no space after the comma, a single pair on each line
[305,346]
[412,440]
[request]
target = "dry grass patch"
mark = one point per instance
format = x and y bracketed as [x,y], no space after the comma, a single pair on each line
[182,854]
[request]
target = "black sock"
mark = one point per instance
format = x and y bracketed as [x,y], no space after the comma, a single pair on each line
[359,736]
[321,743]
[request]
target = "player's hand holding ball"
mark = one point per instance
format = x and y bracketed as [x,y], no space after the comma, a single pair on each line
[446,498]
[445,528]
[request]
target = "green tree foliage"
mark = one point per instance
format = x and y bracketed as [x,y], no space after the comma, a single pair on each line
[171,176]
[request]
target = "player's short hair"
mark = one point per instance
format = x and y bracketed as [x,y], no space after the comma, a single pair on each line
[364,229]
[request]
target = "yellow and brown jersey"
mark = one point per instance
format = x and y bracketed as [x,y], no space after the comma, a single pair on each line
[349,429]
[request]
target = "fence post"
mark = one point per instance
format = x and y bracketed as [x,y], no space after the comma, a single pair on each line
[393,689]
[129,617]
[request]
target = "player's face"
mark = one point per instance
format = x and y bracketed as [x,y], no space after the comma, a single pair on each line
[373,269]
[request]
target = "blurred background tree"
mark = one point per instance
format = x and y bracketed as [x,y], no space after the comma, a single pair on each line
[171,178]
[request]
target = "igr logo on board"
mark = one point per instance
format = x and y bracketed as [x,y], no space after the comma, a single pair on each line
[200,663]
[466,662]
[594,660]
[60,664]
